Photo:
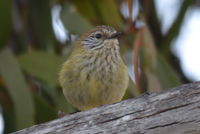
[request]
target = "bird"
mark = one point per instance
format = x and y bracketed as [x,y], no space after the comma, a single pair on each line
[94,74]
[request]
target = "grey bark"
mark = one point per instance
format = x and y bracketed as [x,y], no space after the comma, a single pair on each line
[173,111]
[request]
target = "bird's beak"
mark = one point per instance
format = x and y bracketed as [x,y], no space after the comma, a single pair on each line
[115,35]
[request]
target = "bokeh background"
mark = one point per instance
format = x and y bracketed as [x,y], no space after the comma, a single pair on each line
[160,47]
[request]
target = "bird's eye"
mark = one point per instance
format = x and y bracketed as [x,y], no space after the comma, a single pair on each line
[98,36]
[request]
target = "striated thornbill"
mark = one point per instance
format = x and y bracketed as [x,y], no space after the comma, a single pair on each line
[94,74]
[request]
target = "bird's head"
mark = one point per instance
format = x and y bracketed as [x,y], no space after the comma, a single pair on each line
[99,37]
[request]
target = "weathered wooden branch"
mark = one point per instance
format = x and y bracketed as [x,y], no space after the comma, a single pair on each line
[173,111]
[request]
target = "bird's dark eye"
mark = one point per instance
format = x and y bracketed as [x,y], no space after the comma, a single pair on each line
[98,36]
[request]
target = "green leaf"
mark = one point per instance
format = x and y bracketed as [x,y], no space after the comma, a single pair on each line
[44,111]
[159,73]
[166,74]
[42,65]
[18,89]
[109,12]
[87,9]
[5,23]
[73,21]
[150,62]
[40,23]
[62,104]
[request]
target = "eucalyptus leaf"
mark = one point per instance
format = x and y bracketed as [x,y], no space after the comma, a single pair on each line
[42,65]
[41,23]
[74,21]
[166,74]
[87,9]
[109,12]
[18,89]
[62,104]
[150,62]
[44,111]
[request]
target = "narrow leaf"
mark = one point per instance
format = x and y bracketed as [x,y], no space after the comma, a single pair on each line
[166,74]
[42,65]
[18,89]
[109,12]
[150,62]
[87,9]
[73,21]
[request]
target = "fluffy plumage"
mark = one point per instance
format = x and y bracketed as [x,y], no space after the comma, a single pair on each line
[94,74]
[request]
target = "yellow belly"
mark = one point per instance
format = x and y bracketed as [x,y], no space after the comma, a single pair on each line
[86,89]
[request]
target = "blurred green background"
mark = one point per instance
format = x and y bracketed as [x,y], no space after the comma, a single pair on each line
[36,37]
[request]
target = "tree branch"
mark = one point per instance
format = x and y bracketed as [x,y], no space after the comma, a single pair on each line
[173,111]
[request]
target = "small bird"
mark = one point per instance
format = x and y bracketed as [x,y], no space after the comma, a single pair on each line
[94,74]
